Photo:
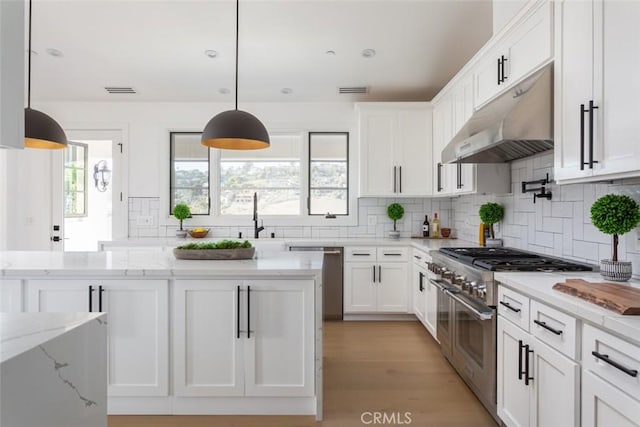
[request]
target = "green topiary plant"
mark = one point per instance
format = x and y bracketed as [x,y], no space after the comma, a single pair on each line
[181,212]
[395,211]
[490,213]
[615,214]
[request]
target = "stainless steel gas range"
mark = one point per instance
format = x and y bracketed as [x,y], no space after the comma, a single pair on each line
[467,301]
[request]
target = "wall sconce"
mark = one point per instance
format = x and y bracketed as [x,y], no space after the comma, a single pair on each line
[101,175]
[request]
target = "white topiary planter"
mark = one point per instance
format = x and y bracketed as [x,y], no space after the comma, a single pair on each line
[394,234]
[617,271]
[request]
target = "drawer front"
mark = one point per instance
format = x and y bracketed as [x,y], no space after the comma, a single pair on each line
[420,257]
[514,306]
[393,253]
[554,328]
[616,360]
[360,253]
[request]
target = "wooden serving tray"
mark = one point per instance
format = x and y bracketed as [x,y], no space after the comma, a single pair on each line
[622,299]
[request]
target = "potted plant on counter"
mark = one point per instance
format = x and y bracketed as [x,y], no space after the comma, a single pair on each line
[222,250]
[181,212]
[615,214]
[491,213]
[395,212]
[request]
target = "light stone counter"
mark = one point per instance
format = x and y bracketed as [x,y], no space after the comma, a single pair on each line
[539,286]
[53,369]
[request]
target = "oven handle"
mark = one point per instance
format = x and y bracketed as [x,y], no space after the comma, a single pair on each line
[478,314]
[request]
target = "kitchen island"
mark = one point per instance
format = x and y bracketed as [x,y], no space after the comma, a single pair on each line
[189,336]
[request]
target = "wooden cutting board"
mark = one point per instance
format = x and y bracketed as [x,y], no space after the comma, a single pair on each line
[622,299]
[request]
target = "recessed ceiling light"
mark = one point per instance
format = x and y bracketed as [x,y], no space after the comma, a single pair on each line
[368,53]
[55,52]
[211,53]
[223,90]
[286,90]
[331,52]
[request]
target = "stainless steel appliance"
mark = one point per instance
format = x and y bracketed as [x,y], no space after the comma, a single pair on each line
[332,279]
[467,301]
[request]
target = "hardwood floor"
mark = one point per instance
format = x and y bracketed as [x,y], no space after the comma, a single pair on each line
[389,367]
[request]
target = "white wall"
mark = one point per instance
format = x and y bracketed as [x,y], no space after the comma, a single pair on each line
[503,11]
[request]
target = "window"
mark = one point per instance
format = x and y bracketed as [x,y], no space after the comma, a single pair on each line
[75,180]
[328,173]
[273,173]
[189,172]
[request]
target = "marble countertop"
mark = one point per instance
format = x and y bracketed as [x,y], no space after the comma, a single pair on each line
[153,263]
[20,332]
[539,286]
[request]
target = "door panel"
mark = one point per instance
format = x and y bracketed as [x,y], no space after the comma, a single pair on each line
[391,288]
[61,296]
[359,291]
[513,394]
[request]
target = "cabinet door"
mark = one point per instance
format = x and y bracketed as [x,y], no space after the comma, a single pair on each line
[418,289]
[431,309]
[486,77]
[359,290]
[513,394]
[413,152]
[138,337]
[10,296]
[442,133]
[377,136]
[573,75]
[556,388]
[279,355]
[61,296]
[391,288]
[604,405]
[207,351]
[617,85]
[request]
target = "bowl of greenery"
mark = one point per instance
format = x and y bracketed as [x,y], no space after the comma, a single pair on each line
[221,250]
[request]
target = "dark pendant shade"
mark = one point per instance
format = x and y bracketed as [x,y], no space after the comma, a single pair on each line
[235,130]
[41,131]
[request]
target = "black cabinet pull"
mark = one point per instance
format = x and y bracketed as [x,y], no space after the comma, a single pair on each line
[605,358]
[238,312]
[400,178]
[421,282]
[395,177]
[360,254]
[248,311]
[510,307]
[459,177]
[91,298]
[520,371]
[499,67]
[374,274]
[379,274]
[391,254]
[100,292]
[439,180]
[417,257]
[582,111]
[527,377]
[591,108]
[502,69]
[547,327]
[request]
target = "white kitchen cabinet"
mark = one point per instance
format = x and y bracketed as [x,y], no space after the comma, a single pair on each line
[395,148]
[425,295]
[243,338]
[431,309]
[418,286]
[379,284]
[12,73]
[443,174]
[10,296]
[596,87]
[138,326]
[604,405]
[537,385]
[525,47]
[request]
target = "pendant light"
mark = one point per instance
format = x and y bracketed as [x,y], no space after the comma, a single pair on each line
[40,130]
[235,129]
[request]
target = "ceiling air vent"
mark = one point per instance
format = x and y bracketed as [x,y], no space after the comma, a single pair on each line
[119,89]
[354,89]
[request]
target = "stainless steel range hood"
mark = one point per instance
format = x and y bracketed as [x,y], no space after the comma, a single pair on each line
[517,124]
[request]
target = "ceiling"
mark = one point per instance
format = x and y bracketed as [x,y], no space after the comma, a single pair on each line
[157,47]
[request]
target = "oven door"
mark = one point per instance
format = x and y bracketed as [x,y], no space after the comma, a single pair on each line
[474,347]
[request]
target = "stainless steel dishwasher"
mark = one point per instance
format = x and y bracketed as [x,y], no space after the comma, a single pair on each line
[331,279]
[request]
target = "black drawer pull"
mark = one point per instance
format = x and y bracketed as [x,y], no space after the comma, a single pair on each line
[391,254]
[360,254]
[510,307]
[547,327]
[605,358]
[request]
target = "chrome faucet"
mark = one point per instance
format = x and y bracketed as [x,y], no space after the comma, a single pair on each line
[256,229]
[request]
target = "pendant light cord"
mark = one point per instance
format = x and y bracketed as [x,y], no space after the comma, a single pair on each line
[29,62]
[237,37]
